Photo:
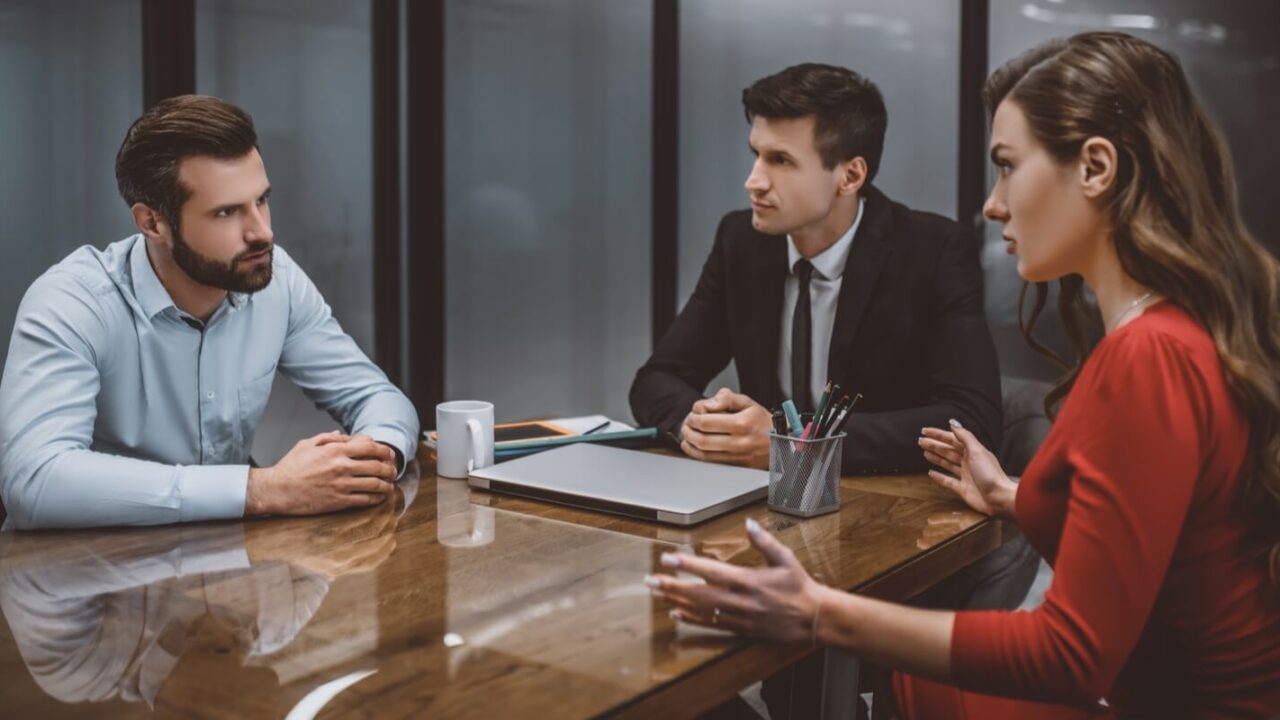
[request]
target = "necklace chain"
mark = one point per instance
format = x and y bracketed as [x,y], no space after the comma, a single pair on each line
[1123,313]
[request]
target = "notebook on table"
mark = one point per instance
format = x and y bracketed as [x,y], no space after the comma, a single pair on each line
[637,484]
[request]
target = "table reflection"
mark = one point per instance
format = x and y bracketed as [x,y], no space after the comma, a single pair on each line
[106,615]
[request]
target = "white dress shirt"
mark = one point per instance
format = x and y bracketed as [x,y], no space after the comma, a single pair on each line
[824,297]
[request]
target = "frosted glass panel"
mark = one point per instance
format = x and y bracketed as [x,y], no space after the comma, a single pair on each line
[70,85]
[1229,52]
[547,109]
[303,69]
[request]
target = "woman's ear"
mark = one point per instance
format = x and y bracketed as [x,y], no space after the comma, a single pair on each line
[1098,160]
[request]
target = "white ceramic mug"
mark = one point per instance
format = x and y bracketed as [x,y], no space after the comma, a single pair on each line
[464,437]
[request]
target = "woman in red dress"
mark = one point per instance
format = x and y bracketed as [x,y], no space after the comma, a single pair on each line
[1156,496]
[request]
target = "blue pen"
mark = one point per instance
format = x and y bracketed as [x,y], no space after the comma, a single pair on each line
[793,417]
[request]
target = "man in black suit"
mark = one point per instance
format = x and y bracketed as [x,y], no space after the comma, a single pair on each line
[826,278]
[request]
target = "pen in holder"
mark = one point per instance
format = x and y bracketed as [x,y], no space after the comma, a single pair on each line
[804,475]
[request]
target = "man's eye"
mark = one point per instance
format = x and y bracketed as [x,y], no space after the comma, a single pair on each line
[225,212]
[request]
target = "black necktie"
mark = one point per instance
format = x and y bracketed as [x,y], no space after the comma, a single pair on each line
[801,343]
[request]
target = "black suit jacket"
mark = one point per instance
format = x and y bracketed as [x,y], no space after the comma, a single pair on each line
[910,334]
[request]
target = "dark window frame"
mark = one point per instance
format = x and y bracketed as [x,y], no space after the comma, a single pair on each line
[168,49]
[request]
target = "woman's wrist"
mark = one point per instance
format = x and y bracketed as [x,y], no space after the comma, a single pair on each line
[828,617]
[1007,501]
[819,599]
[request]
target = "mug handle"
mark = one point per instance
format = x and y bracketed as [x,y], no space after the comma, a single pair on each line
[474,431]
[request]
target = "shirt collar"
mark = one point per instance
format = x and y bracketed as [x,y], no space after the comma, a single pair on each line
[147,288]
[830,262]
[151,293]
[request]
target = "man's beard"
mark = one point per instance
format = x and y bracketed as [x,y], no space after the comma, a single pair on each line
[223,275]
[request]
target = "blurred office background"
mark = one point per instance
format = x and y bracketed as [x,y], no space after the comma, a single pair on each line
[507,199]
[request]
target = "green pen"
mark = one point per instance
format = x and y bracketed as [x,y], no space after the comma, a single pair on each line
[822,407]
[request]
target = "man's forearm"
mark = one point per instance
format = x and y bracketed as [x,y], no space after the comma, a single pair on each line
[390,419]
[82,488]
[662,400]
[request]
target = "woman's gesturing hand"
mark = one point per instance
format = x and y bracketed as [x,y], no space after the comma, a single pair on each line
[778,602]
[971,471]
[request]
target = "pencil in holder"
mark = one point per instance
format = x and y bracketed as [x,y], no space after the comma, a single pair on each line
[804,475]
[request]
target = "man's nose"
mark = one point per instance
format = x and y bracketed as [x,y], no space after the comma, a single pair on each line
[757,181]
[259,227]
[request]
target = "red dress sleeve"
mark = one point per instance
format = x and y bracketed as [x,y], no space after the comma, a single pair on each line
[1137,435]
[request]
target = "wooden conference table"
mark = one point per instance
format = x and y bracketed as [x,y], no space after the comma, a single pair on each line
[452,604]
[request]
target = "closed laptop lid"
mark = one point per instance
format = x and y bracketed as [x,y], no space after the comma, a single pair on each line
[613,476]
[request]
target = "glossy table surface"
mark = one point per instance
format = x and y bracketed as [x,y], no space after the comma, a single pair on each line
[453,603]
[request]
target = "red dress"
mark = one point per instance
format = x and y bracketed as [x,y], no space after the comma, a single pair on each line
[1161,601]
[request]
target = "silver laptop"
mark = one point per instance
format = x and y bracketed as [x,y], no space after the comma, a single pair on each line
[627,482]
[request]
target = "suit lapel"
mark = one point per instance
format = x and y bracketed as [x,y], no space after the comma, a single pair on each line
[769,277]
[866,258]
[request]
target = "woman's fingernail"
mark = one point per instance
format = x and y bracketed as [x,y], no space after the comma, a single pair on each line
[675,615]
[753,527]
[955,423]
[670,560]
[653,581]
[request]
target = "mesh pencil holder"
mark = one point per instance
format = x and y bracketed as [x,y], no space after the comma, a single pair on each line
[804,475]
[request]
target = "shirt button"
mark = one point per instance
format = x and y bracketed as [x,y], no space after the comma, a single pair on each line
[210,395]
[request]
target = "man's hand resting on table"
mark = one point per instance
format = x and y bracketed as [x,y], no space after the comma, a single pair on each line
[328,472]
[728,428]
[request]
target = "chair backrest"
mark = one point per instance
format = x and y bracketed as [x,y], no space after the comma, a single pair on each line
[1025,424]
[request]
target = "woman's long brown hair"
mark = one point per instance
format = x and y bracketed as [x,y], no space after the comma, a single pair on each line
[1174,219]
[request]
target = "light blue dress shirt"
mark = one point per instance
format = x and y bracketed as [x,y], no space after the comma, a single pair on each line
[115,410]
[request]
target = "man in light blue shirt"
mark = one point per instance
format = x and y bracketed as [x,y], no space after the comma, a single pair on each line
[137,374]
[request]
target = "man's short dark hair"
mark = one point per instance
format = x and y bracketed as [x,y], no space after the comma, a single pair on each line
[849,111]
[171,131]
